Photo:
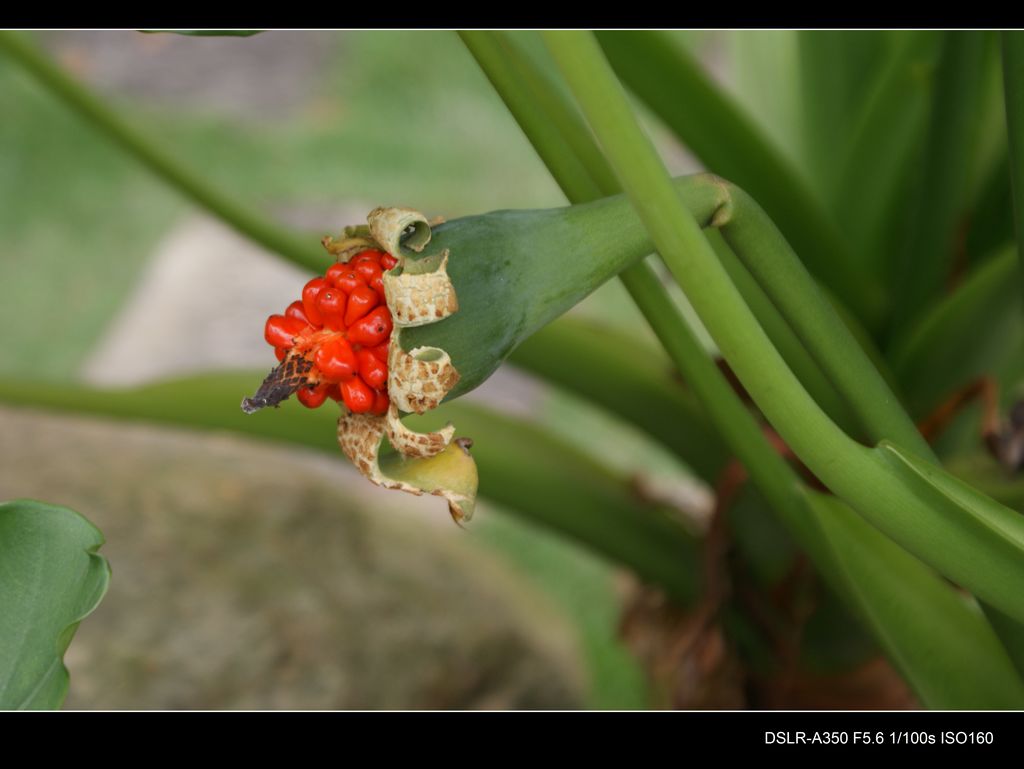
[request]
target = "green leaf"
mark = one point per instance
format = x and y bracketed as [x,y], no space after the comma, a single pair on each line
[51,578]
[923,260]
[1011,634]
[991,215]
[960,338]
[937,639]
[1013,82]
[979,541]
[836,71]
[876,166]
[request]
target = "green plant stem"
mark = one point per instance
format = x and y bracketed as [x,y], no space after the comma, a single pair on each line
[681,244]
[730,144]
[756,241]
[891,489]
[779,331]
[1013,83]
[765,252]
[247,221]
[912,644]
[517,81]
[772,475]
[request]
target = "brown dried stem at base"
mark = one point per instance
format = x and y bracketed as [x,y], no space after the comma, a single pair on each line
[687,652]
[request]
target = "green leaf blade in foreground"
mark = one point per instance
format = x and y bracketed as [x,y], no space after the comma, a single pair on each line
[927,629]
[51,578]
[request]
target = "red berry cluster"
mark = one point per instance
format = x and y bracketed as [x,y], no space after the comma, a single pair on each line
[341,327]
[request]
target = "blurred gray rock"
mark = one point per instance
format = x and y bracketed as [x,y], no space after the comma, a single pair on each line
[251,576]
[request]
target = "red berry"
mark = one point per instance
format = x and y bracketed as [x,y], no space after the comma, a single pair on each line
[335,271]
[360,301]
[281,331]
[371,329]
[309,294]
[313,397]
[331,304]
[369,271]
[357,396]
[296,310]
[344,324]
[349,281]
[366,257]
[373,372]
[335,359]
[380,402]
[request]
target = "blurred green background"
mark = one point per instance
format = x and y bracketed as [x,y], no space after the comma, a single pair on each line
[303,125]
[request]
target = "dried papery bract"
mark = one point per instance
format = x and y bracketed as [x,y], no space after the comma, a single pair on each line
[416,292]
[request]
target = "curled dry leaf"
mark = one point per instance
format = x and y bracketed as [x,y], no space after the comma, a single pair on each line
[451,473]
[417,292]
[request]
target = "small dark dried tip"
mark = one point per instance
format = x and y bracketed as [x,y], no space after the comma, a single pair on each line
[254,404]
[280,383]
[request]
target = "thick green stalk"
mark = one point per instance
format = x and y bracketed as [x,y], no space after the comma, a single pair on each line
[684,248]
[247,221]
[779,331]
[774,477]
[730,144]
[925,649]
[765,252]
[924,261]
[1013,83]
[509,67]
[916,504]
[769,471]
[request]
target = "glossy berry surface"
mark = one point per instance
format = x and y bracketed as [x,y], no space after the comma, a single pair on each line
[340,330]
